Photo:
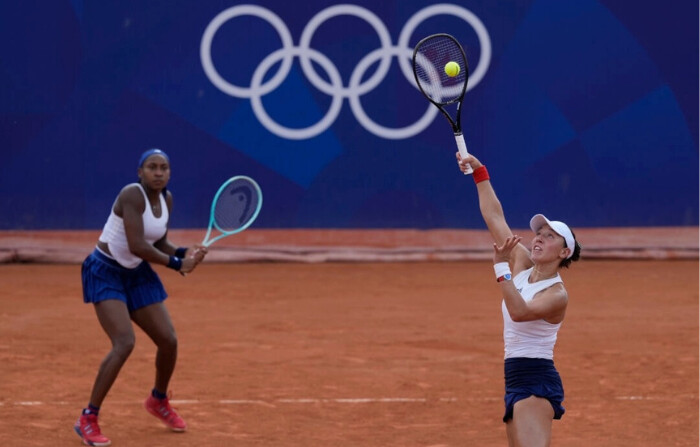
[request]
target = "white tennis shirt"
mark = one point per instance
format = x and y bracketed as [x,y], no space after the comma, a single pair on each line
[154,228]
[532,339]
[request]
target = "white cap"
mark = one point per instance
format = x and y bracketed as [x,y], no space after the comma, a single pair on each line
[562,229]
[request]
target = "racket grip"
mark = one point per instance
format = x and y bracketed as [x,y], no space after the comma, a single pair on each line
[462,146]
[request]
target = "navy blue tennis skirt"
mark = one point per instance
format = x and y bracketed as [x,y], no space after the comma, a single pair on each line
[527,377]
[105,279]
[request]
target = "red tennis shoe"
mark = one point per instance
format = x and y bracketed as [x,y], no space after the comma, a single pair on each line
[161,409]
[89,431]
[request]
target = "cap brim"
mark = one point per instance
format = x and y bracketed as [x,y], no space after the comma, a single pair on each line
[538,221]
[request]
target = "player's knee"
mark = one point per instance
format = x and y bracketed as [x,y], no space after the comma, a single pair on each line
[124,345]
[168,342]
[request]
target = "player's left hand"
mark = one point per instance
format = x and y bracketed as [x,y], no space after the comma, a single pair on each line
[502,253]
[198,252]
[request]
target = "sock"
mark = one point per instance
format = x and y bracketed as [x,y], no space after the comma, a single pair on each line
[158,395]
[91,409]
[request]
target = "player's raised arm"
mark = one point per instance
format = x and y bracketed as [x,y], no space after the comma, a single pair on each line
[492,211]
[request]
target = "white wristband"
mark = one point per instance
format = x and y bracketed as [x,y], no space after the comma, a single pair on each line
[501,269]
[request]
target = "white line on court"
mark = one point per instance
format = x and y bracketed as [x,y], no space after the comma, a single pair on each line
[676,397]
[352,400]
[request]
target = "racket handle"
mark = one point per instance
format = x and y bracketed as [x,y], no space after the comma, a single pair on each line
[462,146]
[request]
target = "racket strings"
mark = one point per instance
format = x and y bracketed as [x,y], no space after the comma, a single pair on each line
[236,205]
[430,58]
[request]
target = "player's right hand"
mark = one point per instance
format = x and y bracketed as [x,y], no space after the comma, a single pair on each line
[467,161]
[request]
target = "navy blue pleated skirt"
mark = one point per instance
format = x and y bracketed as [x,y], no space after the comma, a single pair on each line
[105,279]
[527,377]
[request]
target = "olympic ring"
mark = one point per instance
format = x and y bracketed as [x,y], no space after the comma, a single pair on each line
[208,37]
[296,134]
[356,88]
[367,123]
[360,12]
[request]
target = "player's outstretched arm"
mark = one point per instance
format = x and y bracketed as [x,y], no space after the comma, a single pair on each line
[492,211]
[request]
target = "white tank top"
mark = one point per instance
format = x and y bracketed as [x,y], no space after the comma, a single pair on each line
[154,228]
[532,339]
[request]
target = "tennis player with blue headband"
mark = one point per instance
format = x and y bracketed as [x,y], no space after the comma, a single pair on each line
[118,280]
[533,307]
[150,152]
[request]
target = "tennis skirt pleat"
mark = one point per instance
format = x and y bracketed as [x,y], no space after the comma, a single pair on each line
[104,278]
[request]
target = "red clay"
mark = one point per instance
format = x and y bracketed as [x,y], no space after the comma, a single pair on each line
[282,354]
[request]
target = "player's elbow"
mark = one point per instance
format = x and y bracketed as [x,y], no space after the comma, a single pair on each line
[138,250]
[521,317]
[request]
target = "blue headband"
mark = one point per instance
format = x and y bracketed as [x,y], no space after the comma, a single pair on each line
[150,152]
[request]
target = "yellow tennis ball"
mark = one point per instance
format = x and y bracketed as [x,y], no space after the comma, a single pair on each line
[452,69]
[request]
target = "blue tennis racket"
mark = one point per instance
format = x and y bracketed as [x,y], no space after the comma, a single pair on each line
[235,207]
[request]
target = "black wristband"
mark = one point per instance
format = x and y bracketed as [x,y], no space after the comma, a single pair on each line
[181,252]
[175,263]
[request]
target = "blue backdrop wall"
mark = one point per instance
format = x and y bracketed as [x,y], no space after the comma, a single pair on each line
[584,110]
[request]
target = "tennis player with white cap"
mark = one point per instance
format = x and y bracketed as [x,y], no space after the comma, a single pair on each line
[533,307]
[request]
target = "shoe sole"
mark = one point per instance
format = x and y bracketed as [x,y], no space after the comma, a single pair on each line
[157,416]
[86,442]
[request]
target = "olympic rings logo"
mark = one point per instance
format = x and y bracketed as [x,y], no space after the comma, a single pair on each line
[335,87]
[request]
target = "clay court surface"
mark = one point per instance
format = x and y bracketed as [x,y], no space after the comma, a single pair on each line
[354,354]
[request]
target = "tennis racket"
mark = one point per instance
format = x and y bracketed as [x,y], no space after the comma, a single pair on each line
[235,207]
[430,58]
